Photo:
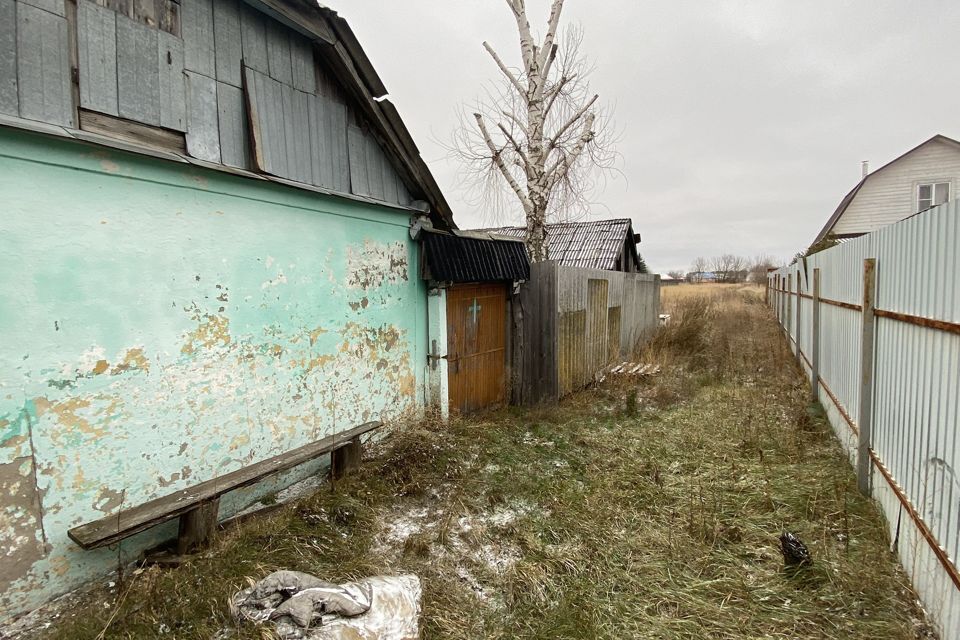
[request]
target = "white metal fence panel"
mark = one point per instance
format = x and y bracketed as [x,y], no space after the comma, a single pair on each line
[915,393]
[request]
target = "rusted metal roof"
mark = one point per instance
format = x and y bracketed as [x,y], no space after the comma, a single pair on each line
[474,257]
[596,244]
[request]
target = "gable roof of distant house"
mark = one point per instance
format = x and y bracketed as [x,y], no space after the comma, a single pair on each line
[595,244]
[847,199]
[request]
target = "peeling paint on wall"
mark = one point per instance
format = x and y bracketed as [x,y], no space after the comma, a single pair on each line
[376,263]
[148,355]
[21,536]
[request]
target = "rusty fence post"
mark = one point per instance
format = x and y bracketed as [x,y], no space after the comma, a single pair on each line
[815,339]
[867,345]
[776,297]
[787,314]
[783,302]
[798,324]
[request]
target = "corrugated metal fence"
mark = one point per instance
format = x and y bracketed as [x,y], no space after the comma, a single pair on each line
[575,322]
[875,322]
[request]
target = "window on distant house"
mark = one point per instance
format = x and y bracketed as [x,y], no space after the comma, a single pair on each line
[932,194]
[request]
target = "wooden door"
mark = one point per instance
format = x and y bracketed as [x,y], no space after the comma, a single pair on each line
[476,345]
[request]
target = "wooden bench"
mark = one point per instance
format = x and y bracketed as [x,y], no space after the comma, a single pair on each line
[197,506]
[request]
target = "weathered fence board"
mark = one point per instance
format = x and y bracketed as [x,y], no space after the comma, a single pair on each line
[577,321]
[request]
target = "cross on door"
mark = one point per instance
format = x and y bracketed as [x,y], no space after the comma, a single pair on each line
[474,309]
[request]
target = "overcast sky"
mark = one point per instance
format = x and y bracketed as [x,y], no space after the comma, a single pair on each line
[743,123]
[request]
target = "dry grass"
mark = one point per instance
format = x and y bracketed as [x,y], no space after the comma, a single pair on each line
[643,509]
[673,293]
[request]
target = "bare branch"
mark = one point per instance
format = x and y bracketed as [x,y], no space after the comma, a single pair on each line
[551,95]
[566,161]
[510,75]
[498,160]
[523,26]
[513,118]
[573,120]
[516,147]
[548,52]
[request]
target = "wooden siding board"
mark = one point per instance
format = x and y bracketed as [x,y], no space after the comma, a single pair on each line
[391,184]
[339,148]
[9,103]
[272,120]
[302,136]
[56,7]
[301,60]
[278,52]
[320,150]
[357,160]
[198,37]
[170,16]
[252,94]
[97,48]
[138,78]
[253,37]
[43,66]
[288,122]
[267,122]
[145,12]
[227,41]
[403,196]
[234,132]
[173,86]
[203,135]
[374,166]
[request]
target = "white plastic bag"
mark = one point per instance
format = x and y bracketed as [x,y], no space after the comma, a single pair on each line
[303,607]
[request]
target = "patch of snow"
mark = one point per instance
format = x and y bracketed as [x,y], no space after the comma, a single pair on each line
[502,516]
[529,438]
[404,525]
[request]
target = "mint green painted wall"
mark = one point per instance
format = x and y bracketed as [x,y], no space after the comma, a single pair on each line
[162,324]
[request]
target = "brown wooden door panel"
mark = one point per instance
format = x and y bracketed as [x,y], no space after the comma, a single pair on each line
[476,345]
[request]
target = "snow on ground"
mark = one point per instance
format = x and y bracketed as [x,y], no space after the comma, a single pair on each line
[466,543]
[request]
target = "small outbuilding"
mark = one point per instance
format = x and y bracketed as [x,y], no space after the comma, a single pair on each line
[471,278]
[610,245]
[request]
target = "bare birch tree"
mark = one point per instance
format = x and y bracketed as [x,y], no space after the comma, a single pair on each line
[539,136]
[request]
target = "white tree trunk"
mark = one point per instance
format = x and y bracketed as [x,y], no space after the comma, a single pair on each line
[533,162]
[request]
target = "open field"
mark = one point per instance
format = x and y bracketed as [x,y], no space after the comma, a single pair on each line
[641,509]
[683,291]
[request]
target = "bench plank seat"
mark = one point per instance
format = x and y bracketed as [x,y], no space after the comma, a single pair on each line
[113,528]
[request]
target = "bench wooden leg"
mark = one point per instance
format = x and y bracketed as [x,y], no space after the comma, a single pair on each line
[345,459]
[197,527]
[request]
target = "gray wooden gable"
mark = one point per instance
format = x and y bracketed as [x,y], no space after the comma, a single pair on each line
[243,89]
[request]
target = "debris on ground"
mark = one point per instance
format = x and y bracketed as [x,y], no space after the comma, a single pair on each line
[634,369]
[303,607]
[795,553]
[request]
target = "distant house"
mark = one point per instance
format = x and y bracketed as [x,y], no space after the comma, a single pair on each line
[702,276]
[610,245]
[924,177]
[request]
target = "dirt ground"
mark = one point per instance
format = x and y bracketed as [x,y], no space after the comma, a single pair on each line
[645,508]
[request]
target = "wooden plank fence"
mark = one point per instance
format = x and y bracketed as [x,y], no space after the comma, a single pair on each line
[571,323]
